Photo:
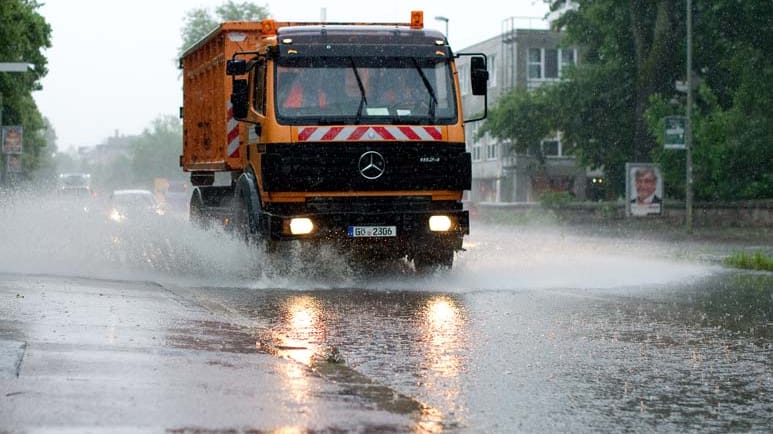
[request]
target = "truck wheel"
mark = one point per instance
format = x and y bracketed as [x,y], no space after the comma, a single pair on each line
[196,211]
[241,222]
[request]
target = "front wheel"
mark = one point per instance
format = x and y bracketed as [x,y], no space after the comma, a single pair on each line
[241,222]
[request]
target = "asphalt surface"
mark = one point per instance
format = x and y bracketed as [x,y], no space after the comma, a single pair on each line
[536,329]
[82,355]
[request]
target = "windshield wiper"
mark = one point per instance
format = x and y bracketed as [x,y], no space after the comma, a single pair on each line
[363,100]
[428,85]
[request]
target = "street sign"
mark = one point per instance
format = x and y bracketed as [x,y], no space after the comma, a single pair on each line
[675,127]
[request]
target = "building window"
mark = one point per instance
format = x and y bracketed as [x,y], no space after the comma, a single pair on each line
[551,148]
[475,143]
[568,58]
[551,63]
[535,63]
[491,151]
[548,63]
[492,70]
[476,152]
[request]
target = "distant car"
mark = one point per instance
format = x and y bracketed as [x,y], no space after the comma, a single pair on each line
[75,180]
[75,192]
[132,204]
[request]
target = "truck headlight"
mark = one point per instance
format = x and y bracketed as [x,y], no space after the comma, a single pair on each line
[301,226]
[439,223]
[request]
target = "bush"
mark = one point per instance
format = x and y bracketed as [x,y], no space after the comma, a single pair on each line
[751,261]
[555,199]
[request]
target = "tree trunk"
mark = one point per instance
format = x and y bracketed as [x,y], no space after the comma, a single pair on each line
[655,44]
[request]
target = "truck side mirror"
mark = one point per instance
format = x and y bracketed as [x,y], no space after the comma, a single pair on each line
[479,75]
[236,67]
[240,98]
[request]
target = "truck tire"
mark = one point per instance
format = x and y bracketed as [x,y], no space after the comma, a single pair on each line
[244,225]
[196,211]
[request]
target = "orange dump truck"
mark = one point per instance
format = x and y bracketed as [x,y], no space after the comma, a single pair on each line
[351,134]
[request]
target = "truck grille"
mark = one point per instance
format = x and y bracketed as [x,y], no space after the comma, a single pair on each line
[410,166]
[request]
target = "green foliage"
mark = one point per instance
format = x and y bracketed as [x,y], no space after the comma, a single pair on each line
[533,216]
[24,34]
[612,105]
[599,118]
[199,22]
[750,261]
[156,153]
[733,112]
[521,118]
[555,199]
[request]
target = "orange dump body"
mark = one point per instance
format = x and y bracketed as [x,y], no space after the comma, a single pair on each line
[211,136]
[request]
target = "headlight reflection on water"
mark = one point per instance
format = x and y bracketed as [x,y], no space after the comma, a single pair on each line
[301,329]
[443,333]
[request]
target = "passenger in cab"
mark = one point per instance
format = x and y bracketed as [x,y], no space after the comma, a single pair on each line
[295,92]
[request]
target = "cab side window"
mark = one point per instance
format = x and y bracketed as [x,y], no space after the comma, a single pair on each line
[259,93]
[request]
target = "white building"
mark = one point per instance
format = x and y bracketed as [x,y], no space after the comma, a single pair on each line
[523,58]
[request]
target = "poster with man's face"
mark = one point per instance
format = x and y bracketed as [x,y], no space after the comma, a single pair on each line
[12,139]
[644,187]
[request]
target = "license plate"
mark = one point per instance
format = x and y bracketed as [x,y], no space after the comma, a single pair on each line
[372,231]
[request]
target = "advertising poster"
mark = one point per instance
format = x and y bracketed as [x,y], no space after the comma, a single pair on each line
[644,189]
[13,164]
[11,139]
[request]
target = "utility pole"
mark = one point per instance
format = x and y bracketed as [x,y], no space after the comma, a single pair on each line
[688,124]
[445,19]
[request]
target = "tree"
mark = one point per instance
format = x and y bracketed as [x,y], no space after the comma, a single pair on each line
[46,172]
[23,35]
[629,52]
[733,119]
[156,152]
[199,22]
[522,118]
[612,104]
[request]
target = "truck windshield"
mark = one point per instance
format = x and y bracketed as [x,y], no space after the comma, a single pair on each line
[364,90]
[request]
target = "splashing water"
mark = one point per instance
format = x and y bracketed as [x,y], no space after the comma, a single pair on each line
[49,236]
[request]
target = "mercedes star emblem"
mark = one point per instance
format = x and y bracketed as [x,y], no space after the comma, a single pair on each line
[371,165]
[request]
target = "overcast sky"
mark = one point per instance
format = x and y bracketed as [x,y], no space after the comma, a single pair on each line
[112,63]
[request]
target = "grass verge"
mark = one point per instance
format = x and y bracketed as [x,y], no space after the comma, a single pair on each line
[751,261]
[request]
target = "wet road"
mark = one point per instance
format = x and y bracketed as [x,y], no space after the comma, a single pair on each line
[688,349]
[535,330]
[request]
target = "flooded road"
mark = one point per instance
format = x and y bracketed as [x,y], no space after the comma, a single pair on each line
[605,343]
[536,329]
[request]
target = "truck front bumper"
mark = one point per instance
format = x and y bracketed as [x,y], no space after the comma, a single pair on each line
[403,231]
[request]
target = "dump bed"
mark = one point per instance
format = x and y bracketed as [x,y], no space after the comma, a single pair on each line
[211,135]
